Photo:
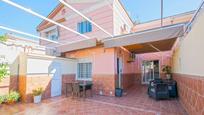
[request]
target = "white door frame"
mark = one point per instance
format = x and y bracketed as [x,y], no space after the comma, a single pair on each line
[120,67]
[153,70]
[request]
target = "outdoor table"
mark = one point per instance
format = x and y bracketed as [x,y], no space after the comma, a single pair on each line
[86,86]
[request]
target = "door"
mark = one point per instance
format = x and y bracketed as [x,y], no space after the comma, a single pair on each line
[150,71]
[119,73]
[56,82]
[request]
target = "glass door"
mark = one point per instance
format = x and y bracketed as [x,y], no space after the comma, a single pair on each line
[150,71]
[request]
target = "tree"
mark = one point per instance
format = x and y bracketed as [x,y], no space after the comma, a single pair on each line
[4,71]
[3,38]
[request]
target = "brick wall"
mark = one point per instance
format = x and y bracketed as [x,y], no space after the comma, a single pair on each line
[67,78]
[28,83]
[22,87]
[8,84]
[33,82]
[191,93]
[104,83]
[138,78]
[128,80]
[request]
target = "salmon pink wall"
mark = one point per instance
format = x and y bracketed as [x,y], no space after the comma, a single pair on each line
[163,57]
[181,18]
[127,66]
[103,72]
[101,58]
[100,13]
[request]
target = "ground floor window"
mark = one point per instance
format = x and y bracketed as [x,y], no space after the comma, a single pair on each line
[84,71]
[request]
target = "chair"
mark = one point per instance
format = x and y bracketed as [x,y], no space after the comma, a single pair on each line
[76,89]
[158,90]
[69,89]
[89,87]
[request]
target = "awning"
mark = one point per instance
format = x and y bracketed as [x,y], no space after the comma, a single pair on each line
[78,45]
[153,40]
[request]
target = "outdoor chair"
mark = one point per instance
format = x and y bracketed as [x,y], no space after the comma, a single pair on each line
[86,86]
[158,90]
[76,89]
[69,89]
[89,87]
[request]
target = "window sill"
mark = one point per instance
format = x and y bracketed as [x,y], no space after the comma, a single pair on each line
[84,79]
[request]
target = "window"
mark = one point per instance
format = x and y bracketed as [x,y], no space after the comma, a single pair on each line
[52,34]
[84,70]
[84,27]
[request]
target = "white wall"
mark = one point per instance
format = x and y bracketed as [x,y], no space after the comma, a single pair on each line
[120,17]
[11,55]
[41,65]
[189,56]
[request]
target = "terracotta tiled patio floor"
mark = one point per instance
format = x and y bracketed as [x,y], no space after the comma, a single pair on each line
[137,98]
[136,102]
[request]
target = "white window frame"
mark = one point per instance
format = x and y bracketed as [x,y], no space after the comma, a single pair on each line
[84,27]
[51,29]
[84,60]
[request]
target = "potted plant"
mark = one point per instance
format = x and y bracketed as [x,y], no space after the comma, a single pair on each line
[167,71]
[2,99]
[118,92]
[37,95]
[12,97]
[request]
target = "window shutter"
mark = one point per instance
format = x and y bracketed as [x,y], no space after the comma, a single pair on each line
[90,27]
[78,28]
[87,28]
[81,29]
[84,26]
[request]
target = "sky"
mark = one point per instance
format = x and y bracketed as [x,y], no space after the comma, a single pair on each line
[139,10]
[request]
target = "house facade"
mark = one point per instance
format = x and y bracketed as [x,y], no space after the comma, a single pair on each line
[101,61]
[133,54]
[107,68]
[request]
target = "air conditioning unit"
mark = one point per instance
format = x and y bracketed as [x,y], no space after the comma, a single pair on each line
[131,58]
[53,52]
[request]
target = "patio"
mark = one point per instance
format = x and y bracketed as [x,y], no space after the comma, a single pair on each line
[136,102]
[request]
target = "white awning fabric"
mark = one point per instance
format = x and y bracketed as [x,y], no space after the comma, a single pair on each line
[151,40]
[77,45]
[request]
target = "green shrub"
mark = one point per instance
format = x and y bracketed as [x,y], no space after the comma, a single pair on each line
[13,96]
[38,91]
[3,38]
[2,99]
[4,71]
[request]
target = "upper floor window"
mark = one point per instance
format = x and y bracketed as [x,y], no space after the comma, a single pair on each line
[52,34]
[84,27]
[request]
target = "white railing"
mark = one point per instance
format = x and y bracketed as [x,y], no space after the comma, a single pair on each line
[190,24]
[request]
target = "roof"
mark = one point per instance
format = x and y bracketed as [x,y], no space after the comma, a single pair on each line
[51,15]
[171,20]
[88,43]
[54,12]
[152,40]
[171,16]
